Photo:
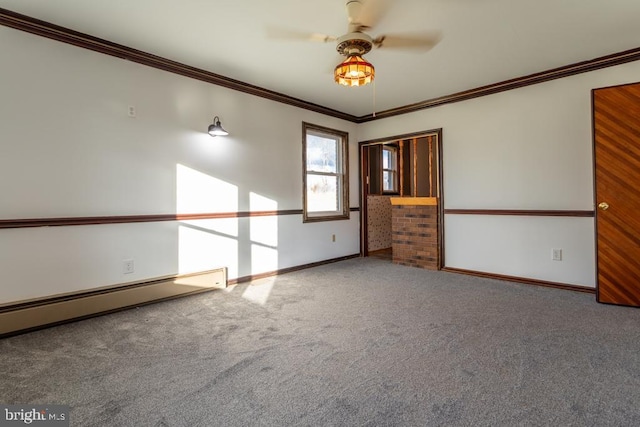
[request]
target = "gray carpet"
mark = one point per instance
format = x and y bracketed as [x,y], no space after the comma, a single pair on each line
[359,342]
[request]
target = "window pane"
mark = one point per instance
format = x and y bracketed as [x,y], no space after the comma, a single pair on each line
[388,181]
[322,154]
[386,159]
[389,158]
[322,193]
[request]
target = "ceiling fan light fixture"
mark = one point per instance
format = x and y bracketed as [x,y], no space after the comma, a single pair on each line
[354,71]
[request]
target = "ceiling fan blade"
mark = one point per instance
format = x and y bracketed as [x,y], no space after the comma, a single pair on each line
[372,12]
[354,9]
[286,34]
[422,41]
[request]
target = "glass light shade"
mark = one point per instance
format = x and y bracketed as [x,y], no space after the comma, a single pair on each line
[354,71]
[216,129]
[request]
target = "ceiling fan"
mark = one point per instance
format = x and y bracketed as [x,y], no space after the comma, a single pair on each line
[362,15]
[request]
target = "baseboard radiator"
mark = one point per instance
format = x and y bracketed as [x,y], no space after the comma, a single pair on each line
[27,316]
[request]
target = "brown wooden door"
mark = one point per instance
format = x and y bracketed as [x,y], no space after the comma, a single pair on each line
[617,174]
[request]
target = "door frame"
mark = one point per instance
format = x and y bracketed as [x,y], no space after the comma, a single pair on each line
[363,164]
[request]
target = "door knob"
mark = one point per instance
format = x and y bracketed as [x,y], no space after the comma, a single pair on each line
[604,206]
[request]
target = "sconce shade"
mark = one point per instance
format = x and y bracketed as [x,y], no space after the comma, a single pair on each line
[354,71]
[216,129]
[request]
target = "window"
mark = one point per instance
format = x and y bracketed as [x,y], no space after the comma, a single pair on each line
[389,169]
[325,164]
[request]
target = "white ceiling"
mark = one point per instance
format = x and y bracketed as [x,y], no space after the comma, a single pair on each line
[483,41]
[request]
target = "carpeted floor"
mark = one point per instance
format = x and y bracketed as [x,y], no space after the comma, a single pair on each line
[359,342]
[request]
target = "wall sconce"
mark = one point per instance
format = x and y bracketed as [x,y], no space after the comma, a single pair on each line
[216,129]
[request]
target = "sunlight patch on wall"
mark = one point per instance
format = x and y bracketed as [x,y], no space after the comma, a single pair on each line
[198,192]
[263,259]
[264,229]
[263,235]
[209,243]
[201,249]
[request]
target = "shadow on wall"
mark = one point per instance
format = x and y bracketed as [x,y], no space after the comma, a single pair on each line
[210,243]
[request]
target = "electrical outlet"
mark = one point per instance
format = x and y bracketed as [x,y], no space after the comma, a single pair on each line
[556,254]
[333,237]
[131,111]
[127,266]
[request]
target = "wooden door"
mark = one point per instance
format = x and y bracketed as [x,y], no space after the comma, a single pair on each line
[617,176]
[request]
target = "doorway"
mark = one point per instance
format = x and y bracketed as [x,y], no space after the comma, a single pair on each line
[407,165]
[616,125]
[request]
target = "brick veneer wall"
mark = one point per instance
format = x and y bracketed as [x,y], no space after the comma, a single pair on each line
[414,230]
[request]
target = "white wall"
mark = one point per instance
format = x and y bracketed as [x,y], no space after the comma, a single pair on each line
[68,148]
[529,148]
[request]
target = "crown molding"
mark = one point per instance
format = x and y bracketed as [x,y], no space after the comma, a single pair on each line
[55,32]
[518,82]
